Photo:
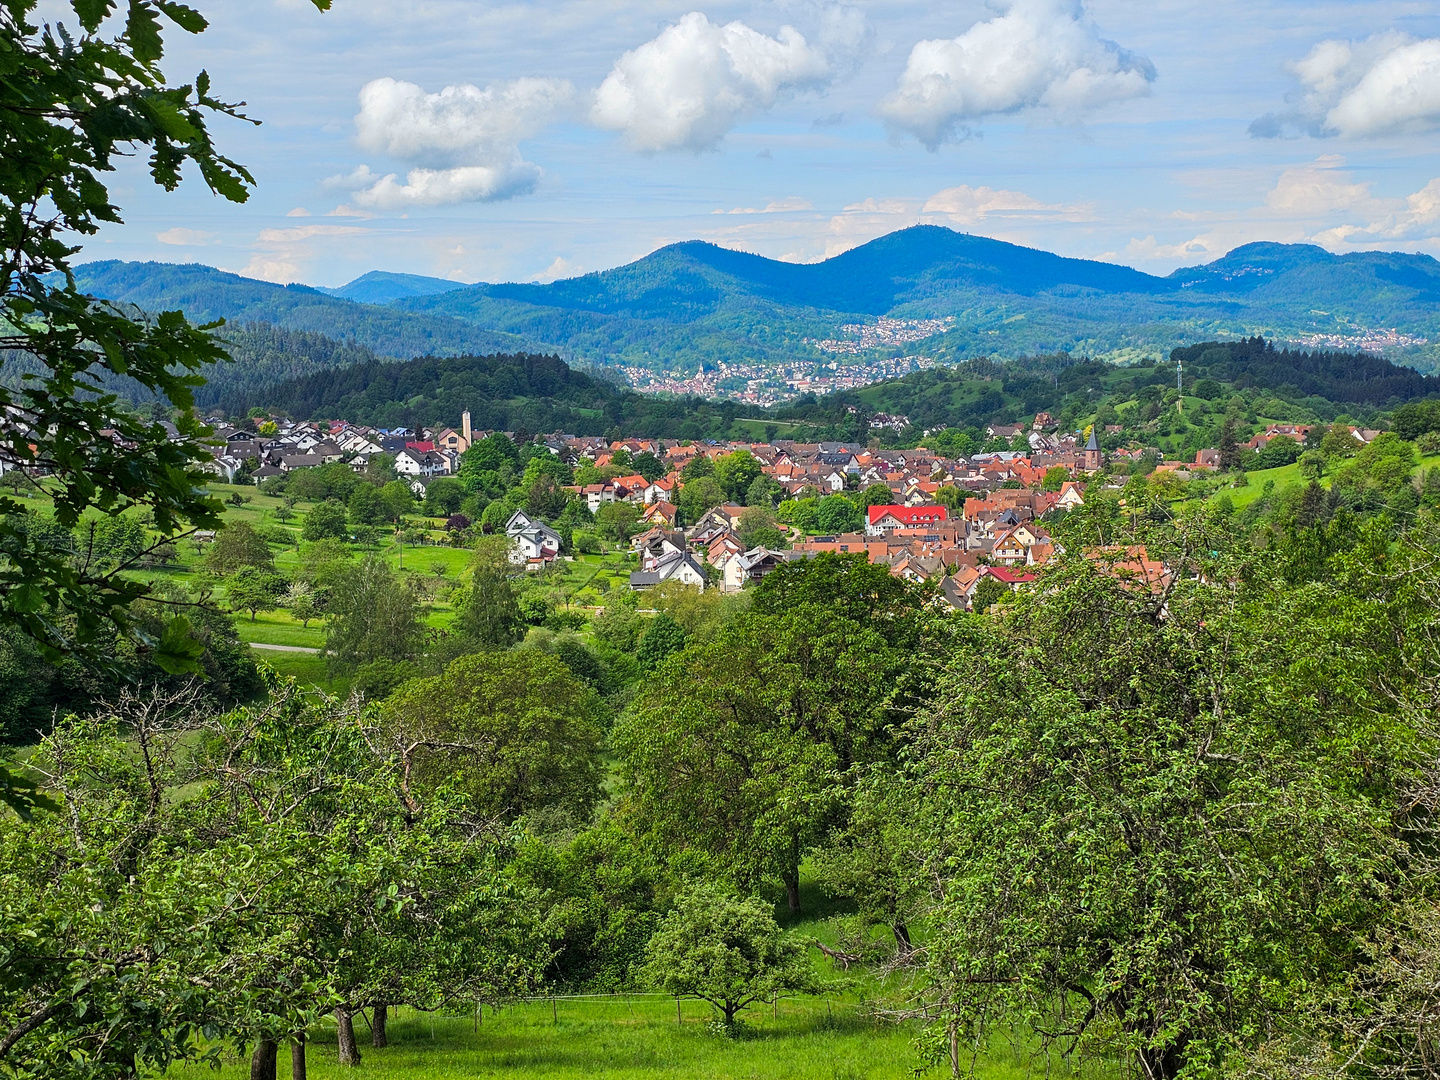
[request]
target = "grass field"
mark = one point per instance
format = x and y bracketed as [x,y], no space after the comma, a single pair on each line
[278,628]
[306,668]
[637,1038]
[437,566]
[1284,477]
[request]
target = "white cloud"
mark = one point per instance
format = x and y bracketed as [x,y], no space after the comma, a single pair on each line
[298,211]
[282,253]
[179,237]
[1317,189]
[1386,84]
[462,143]
[1039,53]
[687,88]
[560,268]
[789,205]
[966,205]
[1316,203]
[305,232]
[446,187]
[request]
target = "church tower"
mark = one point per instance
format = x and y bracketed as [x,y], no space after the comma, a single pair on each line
[1093,458]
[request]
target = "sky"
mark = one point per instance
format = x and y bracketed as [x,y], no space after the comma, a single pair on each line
[530,141]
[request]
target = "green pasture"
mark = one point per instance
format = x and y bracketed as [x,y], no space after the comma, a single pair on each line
[1285,476]
[306,669]
[636,1038]
[278,628]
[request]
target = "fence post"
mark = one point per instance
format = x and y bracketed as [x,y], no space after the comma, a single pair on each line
[677,1011]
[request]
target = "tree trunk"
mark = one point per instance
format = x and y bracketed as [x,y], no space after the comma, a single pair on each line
[792,877]
[345,1036]
[297,1057]
[902,938]
[730,1011]
[377,1029]
[1161,1064]
[262,1061]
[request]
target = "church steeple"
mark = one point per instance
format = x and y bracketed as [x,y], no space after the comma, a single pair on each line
[1093,458]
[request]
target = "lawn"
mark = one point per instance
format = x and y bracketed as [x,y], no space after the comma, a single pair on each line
[635,1038]
[278,628]
[1285,476]
[306,668]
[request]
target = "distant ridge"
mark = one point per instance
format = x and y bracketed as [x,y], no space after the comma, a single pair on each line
[383,287]
[694,305]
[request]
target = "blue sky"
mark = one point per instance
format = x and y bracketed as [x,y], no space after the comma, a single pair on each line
[527,141]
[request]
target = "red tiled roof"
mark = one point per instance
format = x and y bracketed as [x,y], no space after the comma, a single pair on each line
[910,515]
[1009,577]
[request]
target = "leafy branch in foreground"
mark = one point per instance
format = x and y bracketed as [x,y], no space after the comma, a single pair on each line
[72,101]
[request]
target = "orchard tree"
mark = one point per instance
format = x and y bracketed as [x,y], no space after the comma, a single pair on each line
[253,590]
[747,747]
[735,472]
[877,495]
[698,496]
[1147,824]
[728,951]
[488,612]
[235,547]
[326,521]
[765,492]
[513,732]
[616,520]
[300,599]
[663,638]
[648,465]
[398,499]
[371,616]
[443,496]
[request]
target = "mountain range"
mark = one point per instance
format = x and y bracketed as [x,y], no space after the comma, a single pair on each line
[695,306]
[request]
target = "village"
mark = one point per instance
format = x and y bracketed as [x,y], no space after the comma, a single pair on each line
[970,525]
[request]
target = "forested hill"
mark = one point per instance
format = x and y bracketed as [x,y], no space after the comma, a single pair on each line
[543,394]
[1355,378]
[694,305]
[206,294]
[984,391]
[383,287]
[512,392]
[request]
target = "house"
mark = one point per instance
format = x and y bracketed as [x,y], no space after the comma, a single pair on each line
[450,439]
[660,513]
[300,461]
[723,517]
[416,462]
[886,519]
[660,545]
[532,543]
[886,420]
[1070,496]
[597,495]
[744,567]
[1008,548]
[681,566]
[1012,579]
[659,491]
[631,488]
